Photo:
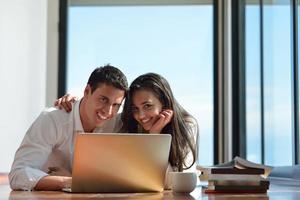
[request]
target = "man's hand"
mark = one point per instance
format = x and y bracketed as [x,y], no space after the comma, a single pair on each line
[56,171]
[57,180]
[164,118]
[53,183]
[65,102]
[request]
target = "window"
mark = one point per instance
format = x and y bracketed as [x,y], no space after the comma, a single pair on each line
[175,41]
[269,82]
[253,92]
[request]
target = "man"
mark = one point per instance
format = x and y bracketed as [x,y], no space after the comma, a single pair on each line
[44,158]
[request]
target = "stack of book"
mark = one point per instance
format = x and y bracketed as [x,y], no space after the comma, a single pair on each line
[236,176]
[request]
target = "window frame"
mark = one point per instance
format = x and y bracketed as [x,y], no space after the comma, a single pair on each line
[295,78]
[220,94]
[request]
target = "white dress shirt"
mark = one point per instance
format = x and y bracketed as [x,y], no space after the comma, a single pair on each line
[49,143]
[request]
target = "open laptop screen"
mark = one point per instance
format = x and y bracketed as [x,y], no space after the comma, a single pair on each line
[120,162]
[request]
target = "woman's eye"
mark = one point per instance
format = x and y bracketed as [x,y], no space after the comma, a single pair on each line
[134,109]
[148,106]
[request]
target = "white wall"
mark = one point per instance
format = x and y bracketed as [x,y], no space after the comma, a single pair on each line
[23,70]
[52,51]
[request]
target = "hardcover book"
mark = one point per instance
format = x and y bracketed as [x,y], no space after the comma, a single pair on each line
[208,191]
[237,166]
[260,186]
[228,177]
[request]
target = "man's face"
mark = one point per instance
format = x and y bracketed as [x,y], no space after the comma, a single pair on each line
[103,104]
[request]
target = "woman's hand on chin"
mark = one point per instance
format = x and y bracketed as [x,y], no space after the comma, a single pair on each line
[164,118]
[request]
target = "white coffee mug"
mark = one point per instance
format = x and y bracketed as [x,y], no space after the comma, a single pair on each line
[183,182]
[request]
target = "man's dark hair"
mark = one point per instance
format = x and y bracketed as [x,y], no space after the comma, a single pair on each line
[109,75]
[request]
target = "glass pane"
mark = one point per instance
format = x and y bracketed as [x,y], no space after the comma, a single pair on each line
[253,104]
[174,41]
[277,85]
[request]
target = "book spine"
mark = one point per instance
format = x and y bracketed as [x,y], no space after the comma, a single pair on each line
[223,177]
[238,182]
[207,191]
[240,187]
[234,171]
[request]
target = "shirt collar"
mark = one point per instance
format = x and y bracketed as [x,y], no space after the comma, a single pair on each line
[78,124]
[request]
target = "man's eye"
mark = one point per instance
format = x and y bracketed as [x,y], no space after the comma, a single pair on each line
[102,99]
[116,105]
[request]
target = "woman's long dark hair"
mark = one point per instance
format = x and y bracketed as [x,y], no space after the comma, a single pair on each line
[180,127]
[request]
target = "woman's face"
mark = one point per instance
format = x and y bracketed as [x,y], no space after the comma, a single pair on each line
[146,108]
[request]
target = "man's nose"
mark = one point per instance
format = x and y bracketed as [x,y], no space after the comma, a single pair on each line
[108,109]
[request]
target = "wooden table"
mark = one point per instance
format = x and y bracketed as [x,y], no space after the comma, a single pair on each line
[276,192]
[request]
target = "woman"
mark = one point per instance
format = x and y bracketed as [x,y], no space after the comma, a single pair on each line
[150,107]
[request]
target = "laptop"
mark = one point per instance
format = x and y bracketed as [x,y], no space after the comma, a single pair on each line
[113,163]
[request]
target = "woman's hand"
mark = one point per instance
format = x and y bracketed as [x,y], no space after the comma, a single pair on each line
[65,102]
[164,118]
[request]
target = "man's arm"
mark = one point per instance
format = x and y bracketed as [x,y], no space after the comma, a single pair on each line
[53,183]
[32,154]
